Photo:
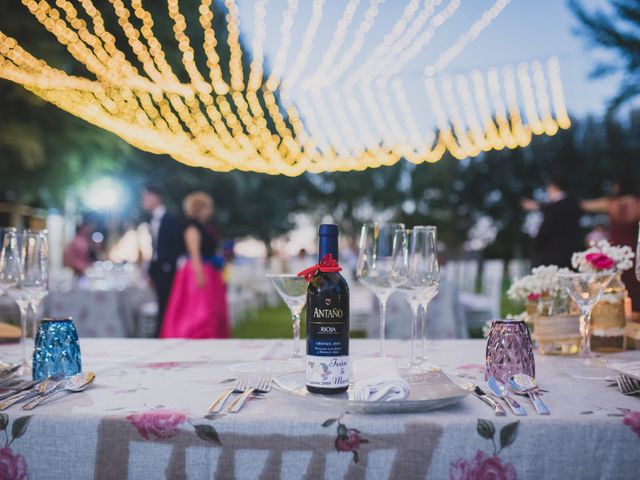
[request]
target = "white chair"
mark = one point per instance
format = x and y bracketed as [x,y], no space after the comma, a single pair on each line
[480,307]
[518,268]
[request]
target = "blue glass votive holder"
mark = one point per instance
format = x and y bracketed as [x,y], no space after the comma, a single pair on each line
[57,349]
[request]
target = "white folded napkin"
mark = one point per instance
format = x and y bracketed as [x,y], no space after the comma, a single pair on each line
[378,380]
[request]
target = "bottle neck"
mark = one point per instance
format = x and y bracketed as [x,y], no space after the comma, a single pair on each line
[328,244]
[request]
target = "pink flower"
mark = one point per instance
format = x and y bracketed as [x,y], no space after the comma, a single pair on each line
[600,261]
[482,467]
[632,419]
[13,466]
[533,297]
[349,442]
[157,424]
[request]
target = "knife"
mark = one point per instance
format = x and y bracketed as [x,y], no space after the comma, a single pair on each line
[497,408]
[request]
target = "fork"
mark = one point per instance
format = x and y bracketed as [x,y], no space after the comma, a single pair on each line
[240,386]
[263,385]
[628,385]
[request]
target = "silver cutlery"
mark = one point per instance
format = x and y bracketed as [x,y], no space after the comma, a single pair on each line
[263,385]
[500,390]
[238,387]
[74,384]
[523,384]
[41,388]
[497,408]
[10,389]
[628,385]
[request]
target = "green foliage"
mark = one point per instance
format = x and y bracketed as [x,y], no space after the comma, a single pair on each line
[618,32]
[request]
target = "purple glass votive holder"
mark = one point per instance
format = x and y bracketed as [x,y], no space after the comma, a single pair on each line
[509,350]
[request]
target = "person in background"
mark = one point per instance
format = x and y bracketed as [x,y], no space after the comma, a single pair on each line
[79,254]
[198,305]
[598,233]
[559,234]
[623,208]
[167,246]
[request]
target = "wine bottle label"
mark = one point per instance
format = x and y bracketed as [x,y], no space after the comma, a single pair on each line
[328,345]
[327,372]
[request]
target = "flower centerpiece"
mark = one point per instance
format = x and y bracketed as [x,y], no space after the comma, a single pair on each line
[608,318]
[546,302]
[541,290]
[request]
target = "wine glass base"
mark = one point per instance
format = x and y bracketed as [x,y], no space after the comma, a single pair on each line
[591,369]
[25,370]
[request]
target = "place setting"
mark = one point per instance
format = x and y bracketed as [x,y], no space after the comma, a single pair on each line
[346,239]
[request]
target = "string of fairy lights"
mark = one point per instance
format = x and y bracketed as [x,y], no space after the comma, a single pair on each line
[347,108]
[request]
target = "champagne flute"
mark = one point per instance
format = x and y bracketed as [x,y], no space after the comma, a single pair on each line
[586,289]
[293,290]
[37,272]
[423,281]
[374,266]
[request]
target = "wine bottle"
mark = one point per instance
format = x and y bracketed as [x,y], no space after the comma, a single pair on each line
[327,368]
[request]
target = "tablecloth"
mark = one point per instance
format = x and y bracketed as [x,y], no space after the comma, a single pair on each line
[101,313]
[145,418]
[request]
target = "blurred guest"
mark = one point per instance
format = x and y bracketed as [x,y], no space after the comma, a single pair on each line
[166,235]
[599,232]
[79,254]
[623,208]
[198,305]
[559,234]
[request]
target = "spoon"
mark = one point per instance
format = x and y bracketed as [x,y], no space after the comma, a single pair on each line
[523,384]
[500,390]
[76,383]
[42,388]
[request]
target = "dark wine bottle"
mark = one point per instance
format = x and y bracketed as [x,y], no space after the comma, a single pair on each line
[327,368]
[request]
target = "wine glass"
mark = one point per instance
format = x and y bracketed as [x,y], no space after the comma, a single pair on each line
[374,265]
[293,290]
[4,231]
[586,289]
[11,275]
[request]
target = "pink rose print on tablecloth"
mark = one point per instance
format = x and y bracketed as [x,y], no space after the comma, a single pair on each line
[632,419]
[13,466]
[347,439]
[484,466]
[157,424]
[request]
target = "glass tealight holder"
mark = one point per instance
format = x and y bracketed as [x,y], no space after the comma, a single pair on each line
[509,350]
[57,349]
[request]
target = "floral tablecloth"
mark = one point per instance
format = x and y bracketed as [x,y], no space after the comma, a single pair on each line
[145,418]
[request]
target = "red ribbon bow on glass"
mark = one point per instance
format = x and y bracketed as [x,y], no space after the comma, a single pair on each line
[327,264]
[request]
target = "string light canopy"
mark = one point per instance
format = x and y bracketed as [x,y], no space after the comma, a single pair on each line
[350,111]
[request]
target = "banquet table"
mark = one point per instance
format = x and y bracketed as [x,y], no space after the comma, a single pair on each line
[145,417]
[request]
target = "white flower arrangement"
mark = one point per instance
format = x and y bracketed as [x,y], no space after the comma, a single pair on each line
[543,282]
[603,256]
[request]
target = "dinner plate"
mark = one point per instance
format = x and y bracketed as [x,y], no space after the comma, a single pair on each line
[428,391]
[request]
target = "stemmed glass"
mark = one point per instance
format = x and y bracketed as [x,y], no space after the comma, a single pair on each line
[586,289]
[3,232]
[37,272]
[293,290]
[416,272]
[374,266]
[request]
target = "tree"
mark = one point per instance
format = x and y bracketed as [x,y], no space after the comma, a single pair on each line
[618,32]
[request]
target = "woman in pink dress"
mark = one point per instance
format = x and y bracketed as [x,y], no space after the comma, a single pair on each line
[197,305]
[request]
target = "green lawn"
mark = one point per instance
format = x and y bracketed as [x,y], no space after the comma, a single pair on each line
[274,323]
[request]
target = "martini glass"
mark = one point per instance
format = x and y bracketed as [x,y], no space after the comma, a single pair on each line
[586,289]
[293,290]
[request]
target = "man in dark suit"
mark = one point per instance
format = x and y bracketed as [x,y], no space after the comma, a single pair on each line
[168,245]
[559,235]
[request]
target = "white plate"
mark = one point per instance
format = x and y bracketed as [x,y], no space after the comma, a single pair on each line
[429,391]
